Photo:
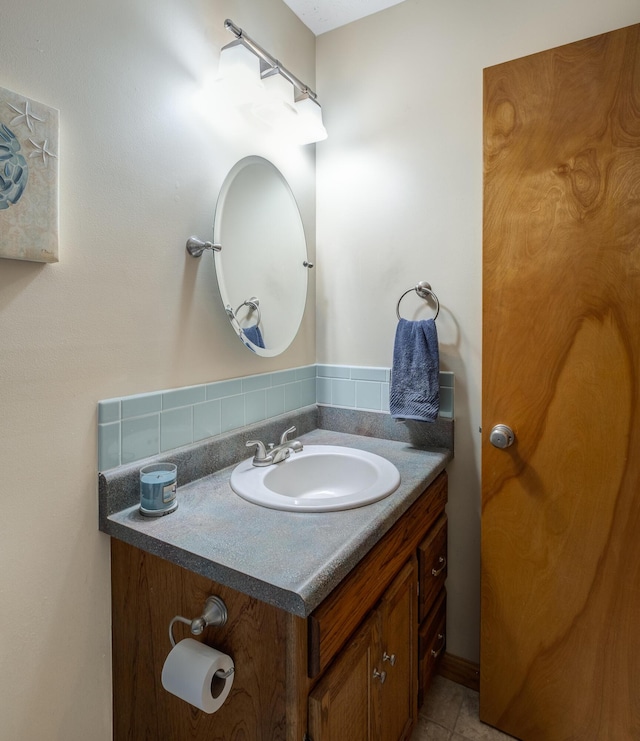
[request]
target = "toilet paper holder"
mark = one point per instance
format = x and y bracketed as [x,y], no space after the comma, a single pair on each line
[214,613]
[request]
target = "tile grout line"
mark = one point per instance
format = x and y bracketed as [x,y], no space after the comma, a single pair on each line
[455,722]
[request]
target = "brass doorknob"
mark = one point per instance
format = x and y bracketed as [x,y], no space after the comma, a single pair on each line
[501,436]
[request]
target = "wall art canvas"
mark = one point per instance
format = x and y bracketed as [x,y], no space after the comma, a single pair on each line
[28,179]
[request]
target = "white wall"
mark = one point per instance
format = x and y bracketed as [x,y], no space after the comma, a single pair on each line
[400,200]
[126,310]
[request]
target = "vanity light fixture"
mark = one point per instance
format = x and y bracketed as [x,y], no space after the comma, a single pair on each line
[310,115]
[274,94]
[239,72]
[277,108]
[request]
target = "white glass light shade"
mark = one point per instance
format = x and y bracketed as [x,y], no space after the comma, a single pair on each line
[239,72]
[277,107]
[309,127]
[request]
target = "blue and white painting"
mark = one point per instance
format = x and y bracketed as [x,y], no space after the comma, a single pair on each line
[29,134]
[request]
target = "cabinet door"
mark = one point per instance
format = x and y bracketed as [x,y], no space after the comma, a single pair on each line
[396,698]
[340,705]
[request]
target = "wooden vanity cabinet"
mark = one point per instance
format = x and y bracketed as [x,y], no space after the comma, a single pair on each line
[340,706]
[369,691]
[432,565]
[317,678]
[395,702]
[431,644]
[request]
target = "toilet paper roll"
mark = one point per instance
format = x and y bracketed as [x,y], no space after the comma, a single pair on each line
[189,673]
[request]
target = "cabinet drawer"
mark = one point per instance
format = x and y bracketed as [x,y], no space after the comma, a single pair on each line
[432,565]
[431,643]
[331,624]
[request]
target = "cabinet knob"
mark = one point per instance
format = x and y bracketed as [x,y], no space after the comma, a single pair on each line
[443,561]
[391,659]
[379,675]
[435,652]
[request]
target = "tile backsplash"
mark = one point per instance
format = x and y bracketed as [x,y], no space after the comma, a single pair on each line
[367,389]
[135,427]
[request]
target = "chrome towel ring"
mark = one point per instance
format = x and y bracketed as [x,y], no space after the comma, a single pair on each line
[423,289]
[254,305]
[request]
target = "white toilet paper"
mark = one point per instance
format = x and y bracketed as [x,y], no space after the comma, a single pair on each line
[188,673]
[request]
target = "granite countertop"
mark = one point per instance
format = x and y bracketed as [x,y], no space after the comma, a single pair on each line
[287,559]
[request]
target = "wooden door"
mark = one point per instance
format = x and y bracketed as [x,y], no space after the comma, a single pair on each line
[340,705]
[560,638]
[396,699]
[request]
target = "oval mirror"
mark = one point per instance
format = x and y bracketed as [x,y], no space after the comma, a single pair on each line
[262,266]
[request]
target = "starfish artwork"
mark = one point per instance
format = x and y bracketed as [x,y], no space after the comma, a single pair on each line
[29,156]
[14,171]
[41,150]
[25,115]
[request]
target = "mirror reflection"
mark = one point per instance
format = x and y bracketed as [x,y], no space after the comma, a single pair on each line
[262,267]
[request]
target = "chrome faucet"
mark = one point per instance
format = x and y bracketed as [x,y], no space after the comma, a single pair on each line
[277,453]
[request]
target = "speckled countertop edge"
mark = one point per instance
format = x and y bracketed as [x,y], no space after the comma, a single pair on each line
[287,559]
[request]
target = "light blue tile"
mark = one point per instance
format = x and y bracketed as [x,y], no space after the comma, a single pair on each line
[255,406]
[206,420]
[224,388]
[308,371]
[108,411]
[384,401]
[369,374]
[231,413]
[323,390]
[253,383]
[446,402]
[307,391]
[282,377]
[343,393]
[141,404]
[368,395]
[447,379]
[108,446]
[334,371]
[140,438]
[176,428]
[292,396]
[275,401]
[183,397]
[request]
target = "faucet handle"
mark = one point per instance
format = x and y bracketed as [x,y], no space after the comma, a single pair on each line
[261,451]
[285,435]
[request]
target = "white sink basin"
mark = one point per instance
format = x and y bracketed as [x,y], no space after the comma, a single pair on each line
[320,478]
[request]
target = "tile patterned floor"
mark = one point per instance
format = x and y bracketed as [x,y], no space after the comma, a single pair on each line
[450,713]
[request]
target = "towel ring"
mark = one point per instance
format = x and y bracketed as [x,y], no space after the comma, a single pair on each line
[423,289]
[254,305]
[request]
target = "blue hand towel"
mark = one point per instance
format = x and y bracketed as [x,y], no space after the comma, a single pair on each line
[415,376]
[254,335]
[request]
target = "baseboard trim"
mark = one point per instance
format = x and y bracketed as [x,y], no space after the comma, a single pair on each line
[460,670]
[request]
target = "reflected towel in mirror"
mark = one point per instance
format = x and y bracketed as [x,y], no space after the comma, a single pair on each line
[254,335]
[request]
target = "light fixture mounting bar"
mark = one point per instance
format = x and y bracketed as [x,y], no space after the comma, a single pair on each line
[269,59]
